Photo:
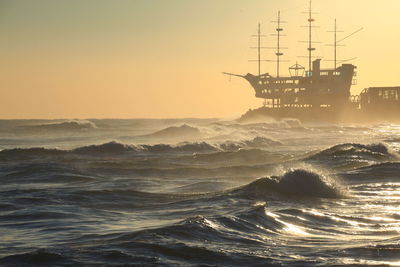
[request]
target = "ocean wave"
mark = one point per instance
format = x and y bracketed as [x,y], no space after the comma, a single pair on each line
[30,216]
[72,125]
[295,182]
[185,147]
[212,229]
[258,116]
[386,171]
[106,148]
[45,172]
[122,199]
[233,239]
[352,155]
[176,132]
[355,149]
[261,142]
[257,142]
[110,148]
[228,240]
[192,172]
[39,257]
[240,157]
[387,250]
[289,124]
[26,153]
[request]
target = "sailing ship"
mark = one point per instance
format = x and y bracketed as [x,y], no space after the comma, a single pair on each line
[317,94]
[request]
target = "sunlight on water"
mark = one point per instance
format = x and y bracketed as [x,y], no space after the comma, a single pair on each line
[350,222]
[150,201]
[294,229]
[370,262]
[211,224]
[381,219]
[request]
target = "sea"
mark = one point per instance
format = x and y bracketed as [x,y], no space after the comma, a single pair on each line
[198,192]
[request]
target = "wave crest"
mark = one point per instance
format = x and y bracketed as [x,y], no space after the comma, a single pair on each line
[106,148]
[257,142]
[109,148]
[351,155]
[185,147]
[176,132]
[72,125]
[295,182]
[358,149]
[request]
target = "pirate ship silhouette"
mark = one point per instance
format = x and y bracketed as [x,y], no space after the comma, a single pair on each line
[318,94]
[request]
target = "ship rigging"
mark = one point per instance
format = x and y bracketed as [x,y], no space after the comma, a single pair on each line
[315,90]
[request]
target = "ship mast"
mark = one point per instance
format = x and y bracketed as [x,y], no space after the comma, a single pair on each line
[259,36]
[278,47]
[335,45]
[258,47]
[310,48]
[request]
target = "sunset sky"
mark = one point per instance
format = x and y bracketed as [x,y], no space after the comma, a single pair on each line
[154,58]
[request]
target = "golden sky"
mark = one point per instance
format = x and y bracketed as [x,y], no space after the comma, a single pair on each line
[155,58]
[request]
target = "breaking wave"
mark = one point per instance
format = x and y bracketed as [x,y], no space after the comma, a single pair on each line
[106,148]
[110,148]
[254,116]
[257,142]
[244,149]
[376,150]
[62,126]
[351,155]
[296,182]
[186,147]
[176,132]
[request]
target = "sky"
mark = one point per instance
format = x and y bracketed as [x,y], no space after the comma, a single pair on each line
[164,59]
